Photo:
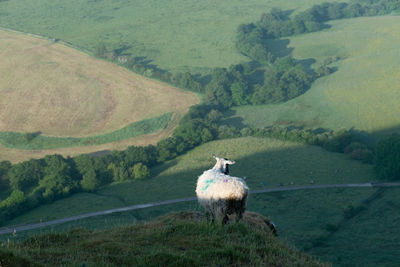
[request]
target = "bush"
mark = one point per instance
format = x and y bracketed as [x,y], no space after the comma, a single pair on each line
[387,158]
[140,171]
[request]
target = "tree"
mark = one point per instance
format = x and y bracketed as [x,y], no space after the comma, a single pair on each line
[218,94]
[89,181]
[387,158]
[58,179]
[239,92]
[121,171]
[187,81]
[25,175]
[5,166]
[14,199]
[140,171]
[167,149]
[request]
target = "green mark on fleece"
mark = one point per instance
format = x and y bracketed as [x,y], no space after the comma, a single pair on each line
[208,183]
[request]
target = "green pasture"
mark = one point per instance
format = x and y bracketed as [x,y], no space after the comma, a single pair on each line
[265,162]
[347,227]
[315,221]
[36,141]
[362,93]
[175,35]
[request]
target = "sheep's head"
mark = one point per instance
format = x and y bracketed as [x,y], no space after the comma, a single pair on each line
[223,164]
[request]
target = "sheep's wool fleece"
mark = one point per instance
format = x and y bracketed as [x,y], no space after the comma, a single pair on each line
[213,184]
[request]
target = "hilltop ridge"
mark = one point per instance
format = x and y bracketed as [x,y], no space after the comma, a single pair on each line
[176,239]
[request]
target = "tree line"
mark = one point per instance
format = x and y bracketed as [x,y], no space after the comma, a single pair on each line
[37,181]
[253,38]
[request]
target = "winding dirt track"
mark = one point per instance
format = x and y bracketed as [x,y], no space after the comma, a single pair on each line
[11,229]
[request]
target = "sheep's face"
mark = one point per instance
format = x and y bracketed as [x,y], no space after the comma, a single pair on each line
[223,164]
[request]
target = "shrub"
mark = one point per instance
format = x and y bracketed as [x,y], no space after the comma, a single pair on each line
[387,158]
[140,171]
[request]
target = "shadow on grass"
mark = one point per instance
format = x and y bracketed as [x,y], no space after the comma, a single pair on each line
[279,47]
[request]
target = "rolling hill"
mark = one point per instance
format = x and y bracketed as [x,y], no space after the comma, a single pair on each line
[316,221]
[266,162]
[174,35]
[53,90]
[362,92]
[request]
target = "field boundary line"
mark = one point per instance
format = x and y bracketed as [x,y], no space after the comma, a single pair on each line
[15,229]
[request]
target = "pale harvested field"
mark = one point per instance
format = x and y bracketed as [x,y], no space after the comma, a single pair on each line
[59,91]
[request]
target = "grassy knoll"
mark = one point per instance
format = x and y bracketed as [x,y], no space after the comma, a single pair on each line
[32,142]
[265,162]
[178,239]
[362,93]
[319,222]
[176,34]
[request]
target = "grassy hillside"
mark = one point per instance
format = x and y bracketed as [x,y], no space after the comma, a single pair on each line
[355,227]
[265,162]
[350,227]
[328,223]
[57,91]
[178,239]
[362,93]
[175,35]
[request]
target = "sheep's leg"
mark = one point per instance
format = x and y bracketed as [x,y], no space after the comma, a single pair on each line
[239,216]
[212,217]
[210,214]
[225,219]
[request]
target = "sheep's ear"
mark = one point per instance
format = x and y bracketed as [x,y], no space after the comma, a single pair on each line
[215,157]
[230,162]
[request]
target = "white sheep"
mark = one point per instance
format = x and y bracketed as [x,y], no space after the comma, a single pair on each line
[220,194]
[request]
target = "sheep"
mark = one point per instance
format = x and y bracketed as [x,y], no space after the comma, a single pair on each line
[220,194]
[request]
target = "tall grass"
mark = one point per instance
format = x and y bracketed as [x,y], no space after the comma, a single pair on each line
[179,239]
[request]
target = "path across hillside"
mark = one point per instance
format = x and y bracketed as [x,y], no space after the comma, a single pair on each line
[11,229]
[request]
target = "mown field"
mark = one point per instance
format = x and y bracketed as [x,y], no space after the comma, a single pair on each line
[49,89]
[362,93]
[175,35]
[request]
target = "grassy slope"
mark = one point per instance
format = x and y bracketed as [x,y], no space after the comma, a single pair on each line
[266,163]
[362,93]
[179,239]
[68,93]
[303,218]
[18,140]
[378,224]
[174,34]
[65,92]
